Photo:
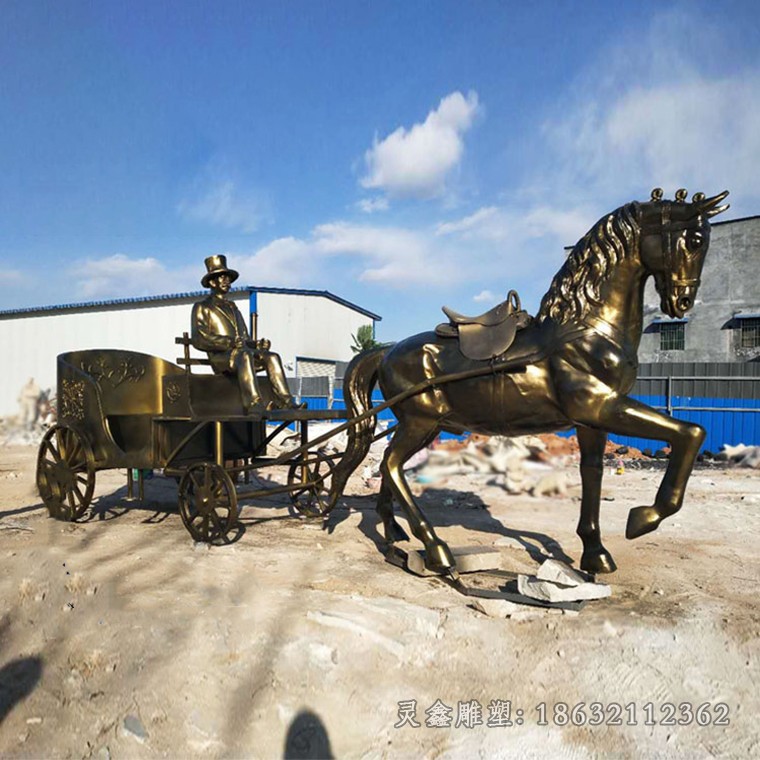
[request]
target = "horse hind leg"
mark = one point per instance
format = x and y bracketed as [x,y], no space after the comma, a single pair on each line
[409,439]
[595,559]
[393,531]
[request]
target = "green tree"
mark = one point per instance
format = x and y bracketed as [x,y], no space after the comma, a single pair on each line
[364,339]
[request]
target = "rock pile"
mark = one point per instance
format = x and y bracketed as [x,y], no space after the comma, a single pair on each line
[742,456]
[13,434]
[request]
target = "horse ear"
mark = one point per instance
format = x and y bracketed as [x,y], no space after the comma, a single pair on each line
[710,207]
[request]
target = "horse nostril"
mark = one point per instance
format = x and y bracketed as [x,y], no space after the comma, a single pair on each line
[684,303]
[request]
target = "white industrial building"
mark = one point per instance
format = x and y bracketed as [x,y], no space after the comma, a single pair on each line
[311,330]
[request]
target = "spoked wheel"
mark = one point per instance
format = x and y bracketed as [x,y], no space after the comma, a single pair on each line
[310,478]
[65,473]
[208,503]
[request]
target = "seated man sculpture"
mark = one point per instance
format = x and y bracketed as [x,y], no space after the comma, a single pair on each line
[219,329]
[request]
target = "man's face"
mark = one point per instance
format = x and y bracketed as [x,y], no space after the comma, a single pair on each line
[221,284]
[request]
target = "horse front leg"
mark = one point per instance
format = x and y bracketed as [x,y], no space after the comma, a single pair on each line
[685,440]
[595,559]
[626,416]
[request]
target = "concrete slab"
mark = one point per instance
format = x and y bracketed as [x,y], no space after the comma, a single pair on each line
[469,559]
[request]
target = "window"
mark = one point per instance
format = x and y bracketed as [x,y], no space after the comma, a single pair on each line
[750,335]
[672,336]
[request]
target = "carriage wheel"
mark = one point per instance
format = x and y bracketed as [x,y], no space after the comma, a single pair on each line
[65,473]
[208,503]
[310,478]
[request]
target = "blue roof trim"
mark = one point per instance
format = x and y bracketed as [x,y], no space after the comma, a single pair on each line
[747,315]
[30,310]
[669,321]
[323,293]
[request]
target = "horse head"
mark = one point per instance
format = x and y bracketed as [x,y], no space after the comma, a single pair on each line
[675,236]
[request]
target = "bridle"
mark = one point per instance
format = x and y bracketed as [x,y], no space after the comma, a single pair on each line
[664,228]
[656,219]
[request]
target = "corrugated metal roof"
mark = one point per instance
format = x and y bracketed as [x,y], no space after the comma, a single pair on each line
[46,310]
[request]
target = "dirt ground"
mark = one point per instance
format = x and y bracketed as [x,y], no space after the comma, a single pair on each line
[121,638]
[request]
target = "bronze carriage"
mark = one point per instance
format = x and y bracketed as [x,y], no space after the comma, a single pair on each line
[573,365]
[123,409]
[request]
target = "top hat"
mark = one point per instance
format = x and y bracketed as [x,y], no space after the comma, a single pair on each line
[217,265]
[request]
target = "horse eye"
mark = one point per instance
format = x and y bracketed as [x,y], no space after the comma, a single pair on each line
[694,240]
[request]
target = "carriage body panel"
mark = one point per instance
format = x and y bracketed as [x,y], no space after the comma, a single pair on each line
[135,409]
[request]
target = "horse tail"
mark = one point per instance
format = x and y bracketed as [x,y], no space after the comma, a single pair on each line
[358,382]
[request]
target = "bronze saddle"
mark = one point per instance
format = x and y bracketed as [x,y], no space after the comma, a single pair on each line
[490,334]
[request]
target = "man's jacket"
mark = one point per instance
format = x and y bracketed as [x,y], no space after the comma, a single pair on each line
[217,322]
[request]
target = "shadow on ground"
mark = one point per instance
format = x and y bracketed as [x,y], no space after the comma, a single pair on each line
[18,679]
[445,507]
[307,738]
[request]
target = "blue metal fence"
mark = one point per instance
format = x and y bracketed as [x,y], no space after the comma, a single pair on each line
[726,420]
[322,402]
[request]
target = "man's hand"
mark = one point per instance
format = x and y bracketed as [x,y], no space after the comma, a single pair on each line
[239,342]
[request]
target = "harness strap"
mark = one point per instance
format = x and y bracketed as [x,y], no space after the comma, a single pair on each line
[598,325]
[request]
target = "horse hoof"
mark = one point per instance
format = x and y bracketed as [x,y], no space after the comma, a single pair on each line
[438,558]
[598,562]
[395,533]
[642,520]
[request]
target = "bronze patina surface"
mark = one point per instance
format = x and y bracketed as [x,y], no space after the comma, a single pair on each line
[572,366]
[219,328]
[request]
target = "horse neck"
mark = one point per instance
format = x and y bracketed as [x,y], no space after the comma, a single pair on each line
[622,304]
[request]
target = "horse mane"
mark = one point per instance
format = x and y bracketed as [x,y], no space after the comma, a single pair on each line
[576,288]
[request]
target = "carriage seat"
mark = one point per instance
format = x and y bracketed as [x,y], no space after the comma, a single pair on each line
[204,393]
[187,361]
[488,335]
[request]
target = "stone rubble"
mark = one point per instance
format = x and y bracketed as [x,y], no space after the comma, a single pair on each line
[742,456]
[558,572]
[547,591]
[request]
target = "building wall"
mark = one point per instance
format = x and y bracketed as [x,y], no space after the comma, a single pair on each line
[297,325]
[730,284]
[306,326]
[32,342]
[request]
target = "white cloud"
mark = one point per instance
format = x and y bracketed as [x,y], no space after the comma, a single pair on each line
[481,220]
[513,227]
[485,296]
[564,224]
[679,122]
[415,162]
[218,196]
[371,205]
[393,257]
[700,134]
[11,276]
[119,275]
[223,204]
[506,247]
[285,262]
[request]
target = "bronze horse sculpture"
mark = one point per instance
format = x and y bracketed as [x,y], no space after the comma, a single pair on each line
[572,366]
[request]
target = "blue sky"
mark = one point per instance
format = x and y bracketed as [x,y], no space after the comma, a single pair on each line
[401,154]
